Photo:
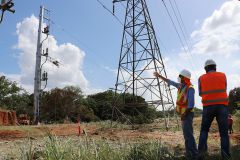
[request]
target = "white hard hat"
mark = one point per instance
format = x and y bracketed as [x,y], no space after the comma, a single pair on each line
[210,62]
[185,73]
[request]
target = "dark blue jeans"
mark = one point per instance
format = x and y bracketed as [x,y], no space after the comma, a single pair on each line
[190,143]
[221,114]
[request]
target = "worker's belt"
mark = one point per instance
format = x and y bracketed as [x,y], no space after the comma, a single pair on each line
[181,111]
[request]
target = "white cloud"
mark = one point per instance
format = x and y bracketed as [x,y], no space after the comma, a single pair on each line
[115,71]
[233,81]
[236,64]
[220,32]
[218,38]
[70,57]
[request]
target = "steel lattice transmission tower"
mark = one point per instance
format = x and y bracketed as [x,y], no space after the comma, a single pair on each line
[140,56]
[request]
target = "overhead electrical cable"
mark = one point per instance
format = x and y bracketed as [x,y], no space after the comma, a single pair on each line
[185,47]
[180,26]
[118,19]
[175,27]
[181,19]
[110,12]
[183,27]
[79,42]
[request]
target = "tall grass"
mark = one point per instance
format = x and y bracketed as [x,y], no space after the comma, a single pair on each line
[150,151]
[56,148]
[28,152]
[88,149]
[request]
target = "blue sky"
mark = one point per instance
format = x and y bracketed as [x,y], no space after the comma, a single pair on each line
[96,33]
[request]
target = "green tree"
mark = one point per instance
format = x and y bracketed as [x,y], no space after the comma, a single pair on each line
[134,108]
[234,97]
[69,102]
[13,97]
[137,109]
[102,104]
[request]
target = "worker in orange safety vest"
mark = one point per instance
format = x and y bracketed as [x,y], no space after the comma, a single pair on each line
[213,90]
[185,108]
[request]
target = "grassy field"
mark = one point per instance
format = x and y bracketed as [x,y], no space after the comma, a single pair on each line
[102,142]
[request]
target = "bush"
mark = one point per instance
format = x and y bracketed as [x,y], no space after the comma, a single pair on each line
[237,121]
[152,150]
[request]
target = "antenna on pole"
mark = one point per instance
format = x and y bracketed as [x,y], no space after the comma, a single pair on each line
[140,56]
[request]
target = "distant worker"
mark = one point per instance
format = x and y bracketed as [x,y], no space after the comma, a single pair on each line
[213,90]
[230,124]
[185,108]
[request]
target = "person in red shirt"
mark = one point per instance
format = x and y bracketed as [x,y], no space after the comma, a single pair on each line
[230,123]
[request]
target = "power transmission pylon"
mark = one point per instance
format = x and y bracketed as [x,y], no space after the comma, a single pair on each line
[140,56]
[38,67]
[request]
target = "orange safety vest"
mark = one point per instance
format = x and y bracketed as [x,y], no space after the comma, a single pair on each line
[182,101]
[213,88]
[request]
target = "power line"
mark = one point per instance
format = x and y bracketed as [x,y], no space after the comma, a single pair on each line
[180,25]
[175,27]
[79,42]
[180,15]
[119,19]
[110,12]
[186,48]
[188,40]
[72,36]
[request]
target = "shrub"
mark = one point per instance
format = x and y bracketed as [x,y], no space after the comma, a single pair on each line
[152,150]
[237,120]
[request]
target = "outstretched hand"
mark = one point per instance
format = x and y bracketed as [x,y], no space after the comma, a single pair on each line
[156,74]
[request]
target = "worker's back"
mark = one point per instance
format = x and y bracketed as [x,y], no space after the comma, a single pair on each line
[213,88]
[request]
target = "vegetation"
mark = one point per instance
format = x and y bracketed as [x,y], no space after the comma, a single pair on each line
[234,100]
[68,104]
[55,148]
[236,124]
[87,149]
[12,97]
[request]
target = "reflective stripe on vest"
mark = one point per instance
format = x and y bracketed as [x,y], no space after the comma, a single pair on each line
[213,91]
[213,88]
[182,101]
[216,100]
[182,109]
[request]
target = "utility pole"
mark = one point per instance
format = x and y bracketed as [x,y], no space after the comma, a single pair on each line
[38,79]
[140,56]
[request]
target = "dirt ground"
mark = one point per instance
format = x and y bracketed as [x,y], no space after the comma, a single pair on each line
[13,137]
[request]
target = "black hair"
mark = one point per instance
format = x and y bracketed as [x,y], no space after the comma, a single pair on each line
[210,68]
[180,76]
